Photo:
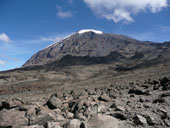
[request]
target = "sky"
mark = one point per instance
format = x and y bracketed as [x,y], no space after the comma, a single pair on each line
[27,26]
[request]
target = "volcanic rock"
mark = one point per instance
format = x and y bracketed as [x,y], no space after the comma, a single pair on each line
[12,118]
[140,120]
[54,103]
[75,123]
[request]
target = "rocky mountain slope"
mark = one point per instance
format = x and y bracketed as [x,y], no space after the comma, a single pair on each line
[93,45]
[136,105]
[89,80]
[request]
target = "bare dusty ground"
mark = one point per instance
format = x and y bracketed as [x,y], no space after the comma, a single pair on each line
[41,83]
[91,96]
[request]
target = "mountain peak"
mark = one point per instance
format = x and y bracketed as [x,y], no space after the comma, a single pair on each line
[92,43]
[81,44]
[89,30]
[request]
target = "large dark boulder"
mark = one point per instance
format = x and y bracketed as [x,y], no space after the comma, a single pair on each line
[54,103]
[165,83]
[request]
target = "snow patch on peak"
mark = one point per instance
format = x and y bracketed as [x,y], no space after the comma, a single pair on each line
[90,30]
[58,41]
[67,37]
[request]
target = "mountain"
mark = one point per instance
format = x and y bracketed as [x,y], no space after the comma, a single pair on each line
[89,58]
[99,47]
[86,79]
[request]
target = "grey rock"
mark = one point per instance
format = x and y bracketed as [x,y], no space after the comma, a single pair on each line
[34,126]
[54,103]
[105,121]
[150,120]
[105,98]
[101,108]
[10,104]
[140,120]
[167,122]
[69,115]
[167,94]
[53,125]
[1,107]
[156,87]
[80,116]
[12,118]
[93,109]
[138,92]
[165,83]
[40,119]
[120,108]
[159,100]
[119,116]
[74,123]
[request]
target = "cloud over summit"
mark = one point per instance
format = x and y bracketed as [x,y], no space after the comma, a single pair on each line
[122,10]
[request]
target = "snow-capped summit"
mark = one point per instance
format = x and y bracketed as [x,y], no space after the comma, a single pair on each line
[87,42]
[90,30]
[79,32]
